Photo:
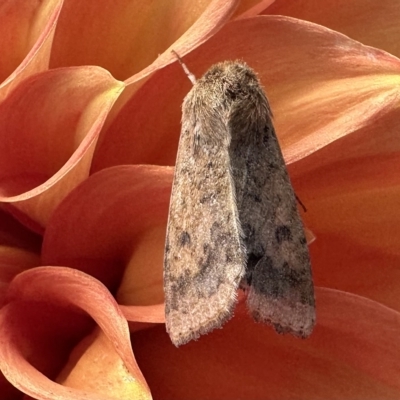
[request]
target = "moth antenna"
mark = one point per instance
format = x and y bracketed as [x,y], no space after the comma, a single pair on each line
[185,68]
[301,204]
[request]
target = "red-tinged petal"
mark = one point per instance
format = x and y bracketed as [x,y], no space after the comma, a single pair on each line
[124,37]
[113,227]
[13,234]
[250,8]
[95,366]
[7,390]
[209,21]
[49,126]
[375,23]
[26,36]
[19,250]
[349,356]
[12,262]
[142,317]
[43,320]
[313,106]
[351,189]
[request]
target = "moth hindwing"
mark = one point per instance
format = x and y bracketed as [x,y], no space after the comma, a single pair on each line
[233,219]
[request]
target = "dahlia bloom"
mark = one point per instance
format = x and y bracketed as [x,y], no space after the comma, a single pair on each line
[89,126]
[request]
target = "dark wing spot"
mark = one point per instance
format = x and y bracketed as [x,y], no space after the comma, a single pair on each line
[253,196]
[283,233]
[184,239]
[252,261]
[248,231]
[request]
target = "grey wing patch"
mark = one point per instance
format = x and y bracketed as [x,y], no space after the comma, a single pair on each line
[278,275]
[204,258]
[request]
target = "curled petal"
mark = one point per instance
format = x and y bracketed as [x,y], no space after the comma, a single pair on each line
[250,8]
[313,106]
[351,189]
[208,22]
[349,356]
[375,23]
[124,36]
[12,262]
[13,234]
[113,227]
[26,36]
[49,126]
[141,317]
[19,251]
[41,321]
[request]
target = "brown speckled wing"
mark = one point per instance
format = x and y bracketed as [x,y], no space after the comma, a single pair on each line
[204,259]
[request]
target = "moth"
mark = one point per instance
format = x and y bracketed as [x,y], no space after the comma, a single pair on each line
[233,219]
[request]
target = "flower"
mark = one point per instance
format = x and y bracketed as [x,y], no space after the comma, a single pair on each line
[89,125]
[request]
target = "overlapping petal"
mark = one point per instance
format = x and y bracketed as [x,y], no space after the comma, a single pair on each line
[335,103]
[251,8]
[313,106]
[351,189]
[317,115]
[126,37]
[48,310]
[374,23]
[49,126]
[19,250]
[349,356]
[13,261]
[113,227]
[26,36]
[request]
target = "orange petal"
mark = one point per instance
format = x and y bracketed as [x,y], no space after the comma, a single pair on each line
[351,189]
[49,126]
[7,390]
[26,36]
[209,20]
[307,70]
[44,319]
[250,8]
[19,250]
[124,37]
[113,228]
[375,23]
[96,367]
[13,234]
[349,356]
[12,262]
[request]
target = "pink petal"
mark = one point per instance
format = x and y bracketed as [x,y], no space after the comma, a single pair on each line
[349,356]
[375,23]
[351,190]
[12,262]
[26,36]
[41,321]
[19,250]
[125,37]
[13,234]
[49,126]
[313,106]
[113,227]
[251,8]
